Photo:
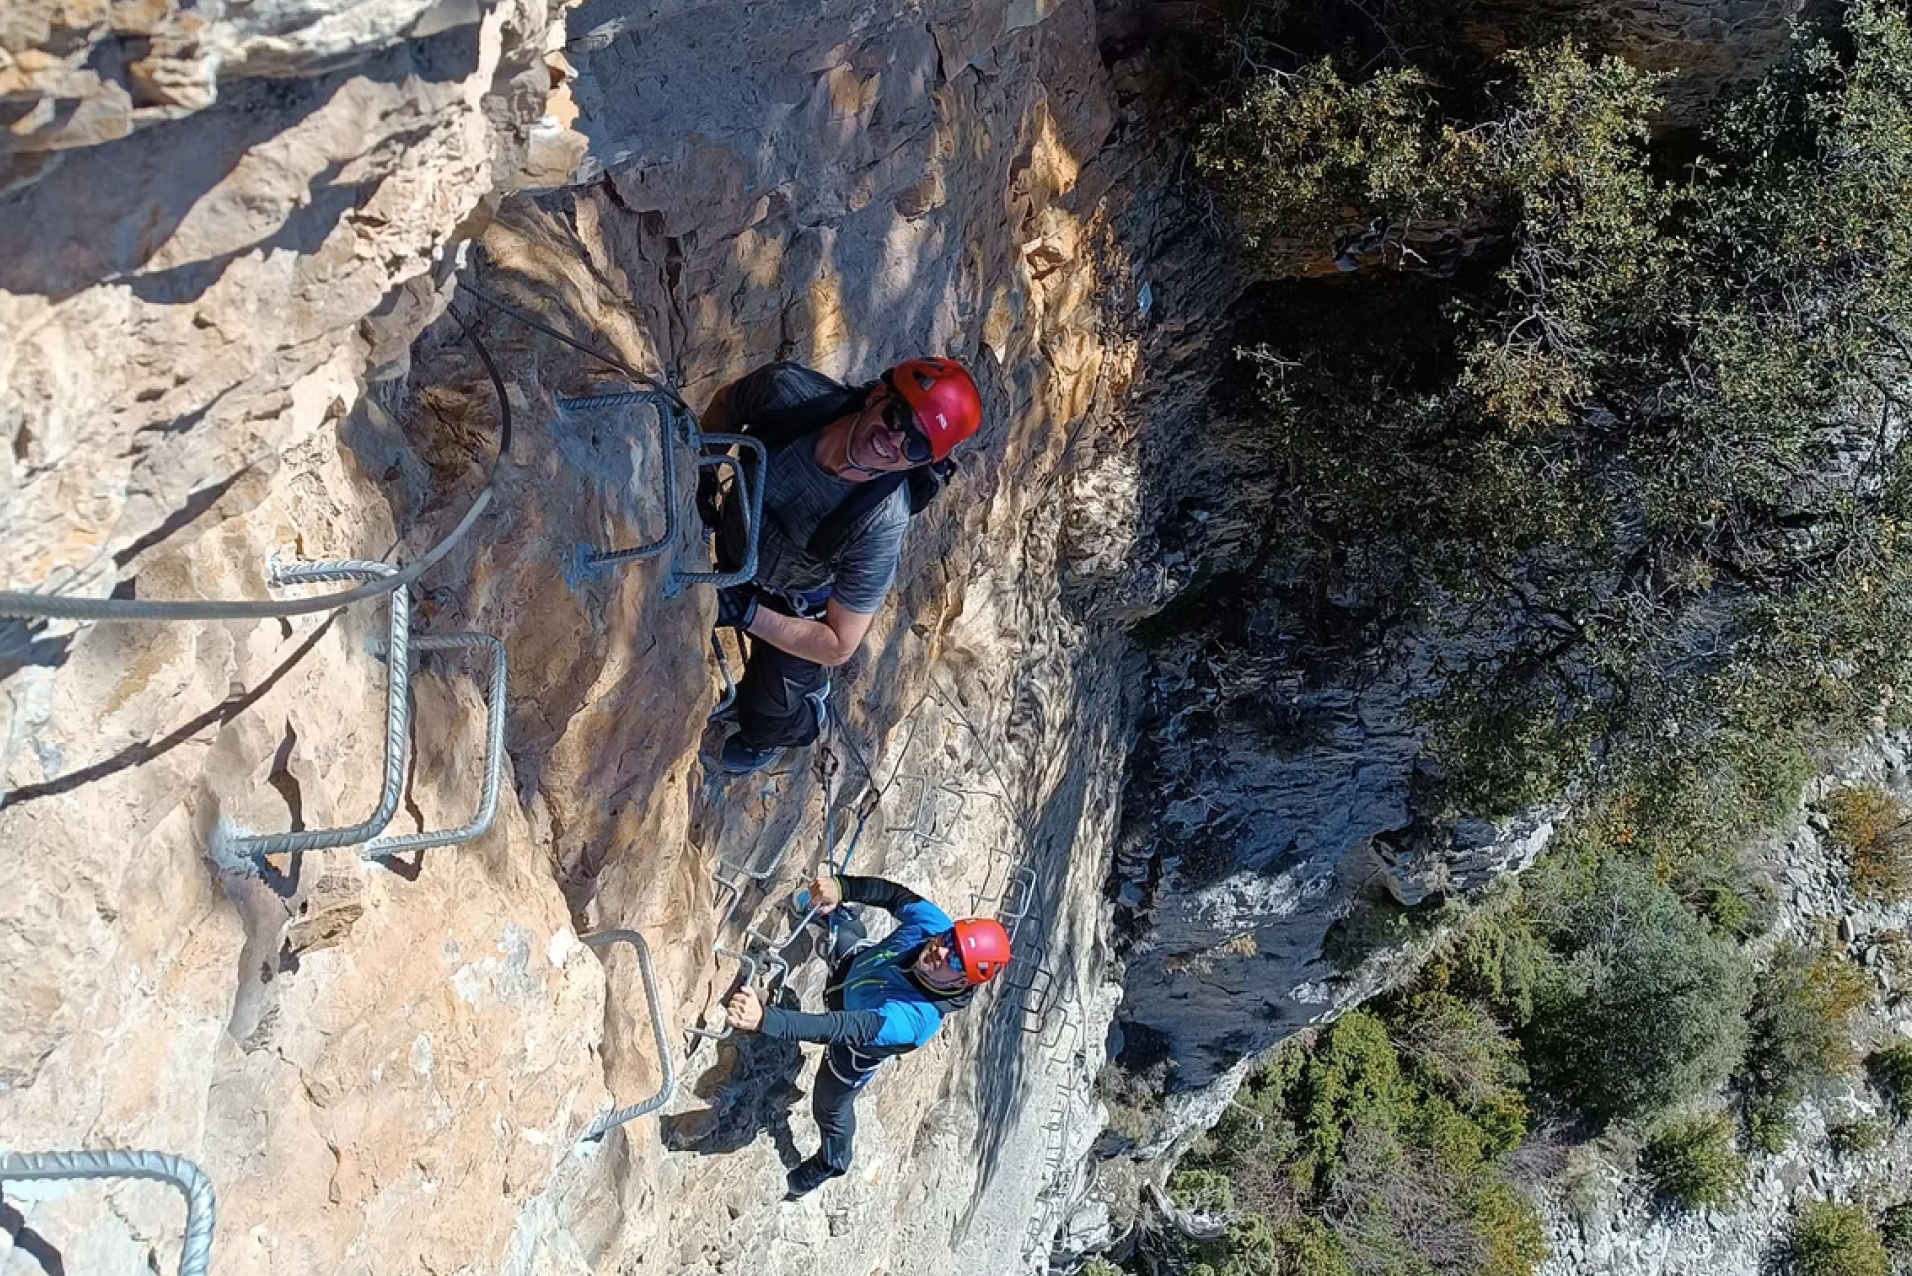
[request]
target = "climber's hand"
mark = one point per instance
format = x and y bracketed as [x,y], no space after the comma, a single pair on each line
[736,606]
[745,1011]
[826,893]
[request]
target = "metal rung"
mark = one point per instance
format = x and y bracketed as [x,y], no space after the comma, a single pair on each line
[1013,915]
[746,973]
[923,824]
[1038,1000]
[1070,1022]
[162,1167]
[494,749]
[1025,966]
[763,872]
[237,850]
[655,1007]
[749,490]
[590,560]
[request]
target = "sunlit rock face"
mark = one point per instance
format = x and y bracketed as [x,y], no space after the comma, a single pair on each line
[226,347]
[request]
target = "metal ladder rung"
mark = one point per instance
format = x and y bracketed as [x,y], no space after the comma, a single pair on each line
[655,1007]
[163,1167]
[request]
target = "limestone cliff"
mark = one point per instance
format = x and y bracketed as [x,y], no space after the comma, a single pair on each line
[229,237]
[227,348]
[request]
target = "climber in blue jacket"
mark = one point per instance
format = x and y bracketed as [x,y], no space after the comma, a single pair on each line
[885,998]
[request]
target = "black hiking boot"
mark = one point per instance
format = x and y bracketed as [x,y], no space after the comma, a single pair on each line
[740,757]
[807,1178]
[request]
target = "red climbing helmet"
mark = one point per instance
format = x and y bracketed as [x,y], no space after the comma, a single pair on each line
[944,399]
[983,946]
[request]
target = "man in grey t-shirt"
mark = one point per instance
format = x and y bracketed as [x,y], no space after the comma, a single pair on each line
[836,503]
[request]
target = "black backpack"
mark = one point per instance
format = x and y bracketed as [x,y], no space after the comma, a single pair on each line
[781,426]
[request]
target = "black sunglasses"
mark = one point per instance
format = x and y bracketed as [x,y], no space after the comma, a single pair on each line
[900,418]
[955,952]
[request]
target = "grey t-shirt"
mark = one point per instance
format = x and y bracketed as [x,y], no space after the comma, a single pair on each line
[800,495]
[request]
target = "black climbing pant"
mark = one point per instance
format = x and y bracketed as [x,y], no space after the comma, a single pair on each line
[780,697]
[843,1072]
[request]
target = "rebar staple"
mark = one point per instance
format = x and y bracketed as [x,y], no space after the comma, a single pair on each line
[494,750]
[162,1167]
[655,1006]
[237,848]
[750,491]
[590,560]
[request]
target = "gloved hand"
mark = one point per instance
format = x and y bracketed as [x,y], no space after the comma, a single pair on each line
[736,606]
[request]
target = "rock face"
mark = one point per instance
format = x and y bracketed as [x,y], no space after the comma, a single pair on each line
[228,237]
[387,1066]
[1700,46]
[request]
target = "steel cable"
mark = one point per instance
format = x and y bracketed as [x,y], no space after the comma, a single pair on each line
[608,360]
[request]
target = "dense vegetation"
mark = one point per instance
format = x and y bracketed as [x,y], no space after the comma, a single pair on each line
[1641,478]
[1829,1239]
[1617,435]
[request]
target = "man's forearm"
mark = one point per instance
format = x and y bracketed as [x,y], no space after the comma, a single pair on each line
[846,1027]
[811,639]
[879,892]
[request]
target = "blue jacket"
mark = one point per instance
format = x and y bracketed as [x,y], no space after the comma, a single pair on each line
[877,1004]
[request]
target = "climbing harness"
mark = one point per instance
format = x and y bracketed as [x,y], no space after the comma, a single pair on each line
[162,1167]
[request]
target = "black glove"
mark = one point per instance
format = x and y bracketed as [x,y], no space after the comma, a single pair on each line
[736,606]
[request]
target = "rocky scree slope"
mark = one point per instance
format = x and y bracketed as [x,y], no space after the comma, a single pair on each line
[213,302]
[1606,1220]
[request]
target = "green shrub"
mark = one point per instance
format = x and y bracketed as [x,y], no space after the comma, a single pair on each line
[1391,1122]
[1769,1122]
[1890,1069]
[1692,1162]
[1646,1008]
[1309,1247]
[1352,1078]
[1511,1237]
[1096,1265]
[1895,1229]
[1801,1033]
[1294,150]
[1497,959]
[1872,827]
[1836,1240]
[1855,1137]
[1457,1048]
[1202,1192]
